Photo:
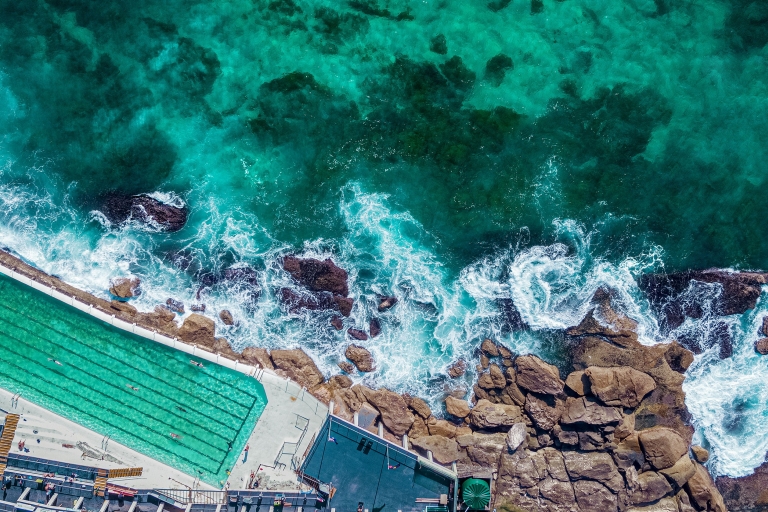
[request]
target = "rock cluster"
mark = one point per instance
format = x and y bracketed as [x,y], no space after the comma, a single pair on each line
[125,287]
[325,285]
[147,210]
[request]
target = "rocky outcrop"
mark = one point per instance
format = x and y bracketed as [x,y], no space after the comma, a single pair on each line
[316,275]
[744,494]
[394,411]
[258,357]
[619,386]
[487,415]
[124,287]
[297,366]
[536,376]
[761,346]
[175,305]
[198,330]
[457,369]
[360,357]
[357,334]
[296,301]
[386,303]
[119,209]
[226,317]
[457,407]
[443,450]
[674,298]
[374,327]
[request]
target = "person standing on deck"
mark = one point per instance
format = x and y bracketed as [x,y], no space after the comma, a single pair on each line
[245,453]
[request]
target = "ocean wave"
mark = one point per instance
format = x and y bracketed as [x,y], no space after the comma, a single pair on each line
[438,319]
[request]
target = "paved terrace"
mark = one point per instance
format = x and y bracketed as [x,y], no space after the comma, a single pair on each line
[280,438]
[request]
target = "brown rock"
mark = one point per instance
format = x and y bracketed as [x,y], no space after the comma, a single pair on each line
[683,470]
[578,382]
[175,305]
[441,428]
[198,330]
[489,348]
[625,428]
[340,381]
[124,287]
[316,275]
[494,379]
[457,369]
[761,346]
[504,352]
[482,452]
[678,357]
[597,466]
[628,453]
[161,318]
[349,398]
[394,411]
[603,321]
[457,407]
[357,334]
[700,454]
[485,361]
[516,436]
[197,308]
[443,450]
[347,367]
[585,410]
[343,304]
[123,307]
[594,496]
[662,446]
[360,357]
[298,366]
[544,415]
[258,357]
[619,385]
[487,415]
[387,302]
[649,487]
[703,491]
[537,376]
[419,406]
[226,317]
[418,429]
[337,322]
[374,327]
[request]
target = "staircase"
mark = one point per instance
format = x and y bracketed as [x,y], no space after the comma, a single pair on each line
[9,431]
[100,484]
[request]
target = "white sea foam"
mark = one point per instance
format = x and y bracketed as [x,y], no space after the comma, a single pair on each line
[437,319]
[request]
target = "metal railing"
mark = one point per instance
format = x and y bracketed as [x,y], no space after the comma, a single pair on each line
[187,496]
[290,448]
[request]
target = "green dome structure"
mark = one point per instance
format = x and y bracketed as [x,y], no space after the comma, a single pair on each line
[476,493]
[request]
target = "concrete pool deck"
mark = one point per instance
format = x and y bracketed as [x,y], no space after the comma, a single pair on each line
[286,426]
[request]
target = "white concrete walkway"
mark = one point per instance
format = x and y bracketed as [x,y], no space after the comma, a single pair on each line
[54,432]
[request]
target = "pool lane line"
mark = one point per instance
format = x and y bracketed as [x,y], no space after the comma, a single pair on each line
[122,392]
[111,373]
[238,434]
[165,450]
[122,364]
[64,319]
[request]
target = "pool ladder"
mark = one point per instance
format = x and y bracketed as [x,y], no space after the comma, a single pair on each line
[9,431]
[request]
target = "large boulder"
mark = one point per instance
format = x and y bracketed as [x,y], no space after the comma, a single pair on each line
[587,411]
[314,301]
[703,492]
[457,369]
[761,346]
[156,214]
[700,454]
[443,428]
[419,406]
[516,436]
[487,415]
[361,358]
[394,411]
[594,496]
[681,471]
[605,322]
[258,357]
[537,376]
[443,450]
[198,330]
[316,275]
[617,386]
[298,366]
[544,415]
[124,287]
[649,486]
[748,492]
[662,446]
[226,317]
[489,348]
[597,466]
[457,407]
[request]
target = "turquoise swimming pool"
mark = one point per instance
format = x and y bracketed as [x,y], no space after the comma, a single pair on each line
[135,390]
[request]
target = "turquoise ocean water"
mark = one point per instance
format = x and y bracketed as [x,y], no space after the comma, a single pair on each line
[452,153]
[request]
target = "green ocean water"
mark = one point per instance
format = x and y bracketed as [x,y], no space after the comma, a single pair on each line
[450,152]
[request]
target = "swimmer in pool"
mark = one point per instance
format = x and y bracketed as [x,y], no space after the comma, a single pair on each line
[175,436]
[133,388]
[196,363]
[181,408]
[55,361]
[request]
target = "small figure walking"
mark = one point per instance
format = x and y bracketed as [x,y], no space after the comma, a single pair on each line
[245,453]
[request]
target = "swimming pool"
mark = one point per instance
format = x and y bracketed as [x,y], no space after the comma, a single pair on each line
[135,390]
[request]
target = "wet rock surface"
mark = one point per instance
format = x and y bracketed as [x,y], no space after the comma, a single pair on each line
[119,209]
[124,287]
[361,358]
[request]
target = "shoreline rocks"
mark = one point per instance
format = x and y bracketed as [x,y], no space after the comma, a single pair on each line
[125,287]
